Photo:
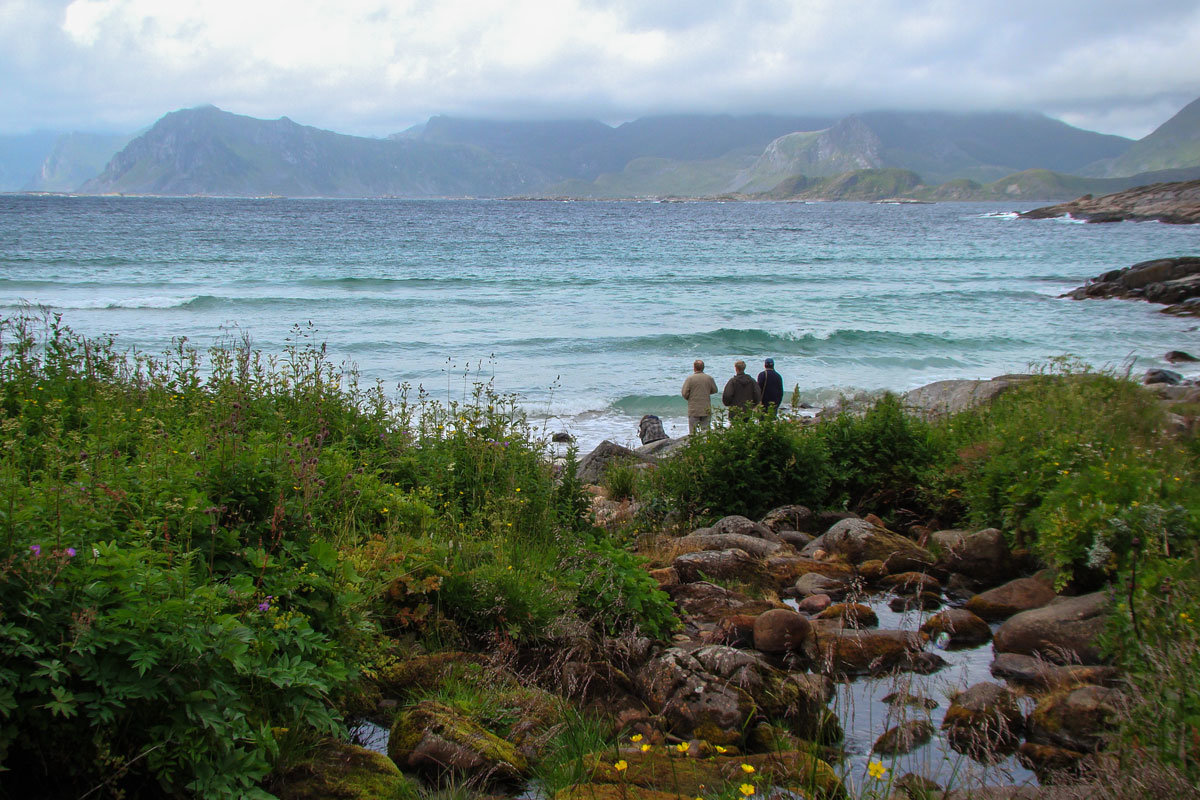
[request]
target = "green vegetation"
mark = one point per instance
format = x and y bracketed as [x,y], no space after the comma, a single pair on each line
[201,555]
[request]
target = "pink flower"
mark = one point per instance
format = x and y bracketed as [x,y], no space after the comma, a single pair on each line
[36,548]
[70,552]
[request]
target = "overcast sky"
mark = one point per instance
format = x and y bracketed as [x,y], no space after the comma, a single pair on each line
[371,67]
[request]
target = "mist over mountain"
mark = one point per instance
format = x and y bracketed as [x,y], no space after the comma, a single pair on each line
[21,156]
[963,155]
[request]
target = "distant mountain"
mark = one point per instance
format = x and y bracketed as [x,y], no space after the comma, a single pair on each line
[212,152]
[1174,144]
[75,158]
[939,146]
[21,156]
[586,149]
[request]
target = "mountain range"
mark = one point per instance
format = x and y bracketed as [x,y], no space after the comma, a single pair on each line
[924,155]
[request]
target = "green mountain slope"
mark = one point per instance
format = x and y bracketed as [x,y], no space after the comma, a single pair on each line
[211,152]
[1174,144]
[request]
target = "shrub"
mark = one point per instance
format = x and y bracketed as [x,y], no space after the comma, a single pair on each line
[747,469]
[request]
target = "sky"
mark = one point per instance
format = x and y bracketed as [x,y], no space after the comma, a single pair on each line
[372,68]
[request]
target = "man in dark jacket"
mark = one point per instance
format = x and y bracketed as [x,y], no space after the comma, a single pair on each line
[741,393]
[770,384]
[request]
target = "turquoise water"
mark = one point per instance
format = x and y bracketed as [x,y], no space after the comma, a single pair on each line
[593,312]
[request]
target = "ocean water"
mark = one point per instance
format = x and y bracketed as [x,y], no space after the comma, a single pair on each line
[592,312]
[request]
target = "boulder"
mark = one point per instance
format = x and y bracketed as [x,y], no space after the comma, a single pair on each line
[1179,357]
[732,564]
[785,569]
[1077,719]
[984,722]
[852,615]
[744,527]
[872,571]
[591,467]
[903,698]
[709,602]
[983,555]
[904,738]
[814,604]
[1034,673]
[1155,376]
[795,539]
[1048,761]
[790,518]
[1011,598]
[925,601]
[856,541]
[780,630]
[816,583]
[844,651]
[964,628]
[660,448]
[346,772]
[945,398]
[1064,631]
[431,736]
[695,542]
[911,583]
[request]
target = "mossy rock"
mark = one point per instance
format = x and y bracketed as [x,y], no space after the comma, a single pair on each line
[612,791]
[664,769]
[423,672]
[853,615]
[340,771]
[433,736]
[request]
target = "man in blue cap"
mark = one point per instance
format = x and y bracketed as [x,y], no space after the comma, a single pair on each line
[770,383]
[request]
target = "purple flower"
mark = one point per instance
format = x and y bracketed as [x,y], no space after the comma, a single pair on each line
[264,606]
[36,548]
[70,552]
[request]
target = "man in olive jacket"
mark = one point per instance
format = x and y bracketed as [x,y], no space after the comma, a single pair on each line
[741,394]
[696,390]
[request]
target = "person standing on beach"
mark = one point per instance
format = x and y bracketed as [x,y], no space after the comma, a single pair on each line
[770,384]
[741,393]
[696,390]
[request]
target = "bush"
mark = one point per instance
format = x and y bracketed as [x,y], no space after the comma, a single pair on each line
[747,468]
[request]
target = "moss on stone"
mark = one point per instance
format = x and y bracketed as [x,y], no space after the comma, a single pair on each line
[340,771]
[434,735]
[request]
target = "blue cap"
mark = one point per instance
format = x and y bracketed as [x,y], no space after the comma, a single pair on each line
[770,362]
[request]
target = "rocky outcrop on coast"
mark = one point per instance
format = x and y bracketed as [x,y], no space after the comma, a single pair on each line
[1173,282]
[1176,203]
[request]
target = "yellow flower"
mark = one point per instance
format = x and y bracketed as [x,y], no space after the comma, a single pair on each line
[645,748]
[876,769]
[748,769]
[721,749]
[746,789]
[682,747]
[637,737]
[620,766]
[518,488]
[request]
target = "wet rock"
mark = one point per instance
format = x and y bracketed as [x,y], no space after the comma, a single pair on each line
[911,583]
[814,583]
[918,787]
[1064,631]
[1031,672]
[759,548]
[745,527]
[1011,598]
[983,555]
[732,564]
[905,699]
[814,604]
[1048,761]
[872,571]
[964,628]
[925,601]
[781,631]
[790,518]
[1179,357]
[984,722]
[346,772]
[852,615]
[1077,719]
[1169,377]
[856,541]
[433,736]
[591,467]
[925,663]
[904,738]
[844,651]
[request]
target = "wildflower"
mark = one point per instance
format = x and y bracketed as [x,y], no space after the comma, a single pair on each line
[518,488]
[721,749]
[645,748]
[748,769]
[36,549]
[384,510]
[876,769]
[70,552]
[95,552]
[620,766]
[746,789]
[682,747]
[637,737]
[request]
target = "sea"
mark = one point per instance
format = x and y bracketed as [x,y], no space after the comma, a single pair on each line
[591,313]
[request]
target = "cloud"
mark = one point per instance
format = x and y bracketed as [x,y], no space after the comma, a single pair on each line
[373,67]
